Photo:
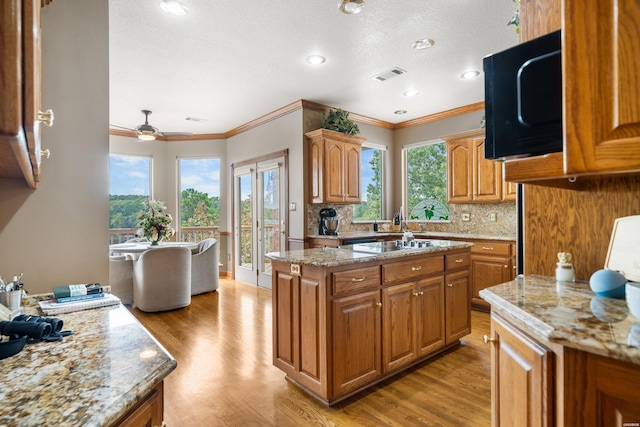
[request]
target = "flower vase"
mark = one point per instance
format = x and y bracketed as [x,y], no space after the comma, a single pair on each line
[155,242]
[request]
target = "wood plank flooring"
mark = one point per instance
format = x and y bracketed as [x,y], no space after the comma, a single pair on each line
[225,377]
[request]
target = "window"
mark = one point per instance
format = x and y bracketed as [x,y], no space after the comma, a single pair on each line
[371,168]
[426,181]
[129,187]
[199,198]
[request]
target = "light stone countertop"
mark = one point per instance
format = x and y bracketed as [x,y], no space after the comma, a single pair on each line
[90,378]
[332,257]
[417,234]
[569,314]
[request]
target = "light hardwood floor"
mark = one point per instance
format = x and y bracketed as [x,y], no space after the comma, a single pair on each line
[222,343]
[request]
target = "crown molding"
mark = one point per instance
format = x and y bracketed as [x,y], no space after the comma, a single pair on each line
[314,106]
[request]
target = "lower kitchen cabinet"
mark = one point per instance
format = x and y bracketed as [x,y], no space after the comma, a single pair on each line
[492,263]
[356,333]
[147,413]
[458,306]
[521,383]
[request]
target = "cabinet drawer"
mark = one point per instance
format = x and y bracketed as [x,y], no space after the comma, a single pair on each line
[408,270]
[454,262]
[492,248]
[356,280]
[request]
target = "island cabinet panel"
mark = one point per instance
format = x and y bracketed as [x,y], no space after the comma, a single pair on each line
[412,269]
[148,412]
[311,359]
[356,334]
[356,280]
[284,322]
[521,384]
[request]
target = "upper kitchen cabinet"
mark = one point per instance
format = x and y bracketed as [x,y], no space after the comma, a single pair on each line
[334,167]
[601,88]
[20,117]
[470,177]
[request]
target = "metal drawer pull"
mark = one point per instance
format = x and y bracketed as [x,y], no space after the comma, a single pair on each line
[45,117]
[379,304]
[416,268]
[353,279]
[450,285]
[459,261]
[415,294]
[420,293]
[487,340]
[487,248]
[45,153]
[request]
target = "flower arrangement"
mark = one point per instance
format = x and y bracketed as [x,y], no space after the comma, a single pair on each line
[155,224]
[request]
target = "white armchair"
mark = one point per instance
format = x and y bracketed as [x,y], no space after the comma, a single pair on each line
[204,267]
[162,279]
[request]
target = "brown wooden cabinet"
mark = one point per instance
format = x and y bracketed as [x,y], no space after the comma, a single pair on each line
[148,412]
[20,116]
[492,263]
[521,378]
[337,330]
[600,61]
[470,177]
[334,167]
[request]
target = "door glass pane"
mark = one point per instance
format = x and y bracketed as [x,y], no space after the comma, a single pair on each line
[246,220]
[271,216]
[129,187]
[199,199]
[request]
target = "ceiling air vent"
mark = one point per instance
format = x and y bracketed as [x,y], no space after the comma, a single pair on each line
[394,72]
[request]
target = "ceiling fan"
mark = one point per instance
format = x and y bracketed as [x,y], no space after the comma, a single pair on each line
[147,132]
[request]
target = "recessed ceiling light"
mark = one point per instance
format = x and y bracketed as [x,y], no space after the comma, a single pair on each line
[411,93]
[316,59]
[400,112]
[351,7]
[423,44]
[174,7]
[471,74]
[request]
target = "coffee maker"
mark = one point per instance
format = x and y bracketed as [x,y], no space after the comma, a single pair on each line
[328,222]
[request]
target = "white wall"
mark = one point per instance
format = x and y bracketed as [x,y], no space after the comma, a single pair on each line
[57,234]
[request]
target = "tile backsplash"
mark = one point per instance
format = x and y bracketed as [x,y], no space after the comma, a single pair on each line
[479,220]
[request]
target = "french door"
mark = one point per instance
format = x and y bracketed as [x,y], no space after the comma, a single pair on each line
[259,218]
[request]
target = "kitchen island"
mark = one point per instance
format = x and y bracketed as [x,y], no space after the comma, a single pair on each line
[109,372]
[346,319]
[562,355]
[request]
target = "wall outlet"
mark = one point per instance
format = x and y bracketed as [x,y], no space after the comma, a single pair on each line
[292,206]
[493,217]
[466,217]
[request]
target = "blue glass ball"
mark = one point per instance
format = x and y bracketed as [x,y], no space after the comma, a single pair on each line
[608,283]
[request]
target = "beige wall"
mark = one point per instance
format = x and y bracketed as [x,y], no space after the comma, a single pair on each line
[57,234]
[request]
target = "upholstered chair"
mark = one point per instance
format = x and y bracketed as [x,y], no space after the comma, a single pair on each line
[162,279]
[205,267]
[121,277]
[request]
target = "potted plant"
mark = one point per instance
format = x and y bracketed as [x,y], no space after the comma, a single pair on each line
[338,120]
[155,223]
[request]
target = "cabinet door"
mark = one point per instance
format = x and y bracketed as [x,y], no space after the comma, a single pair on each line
[356,341]
[430,315]
[601,59]
[509,190]
[316,168]
[488,271]
[521,383]
[487,175]
[148,413]
[334,171]
[399,305]
[458,306]
[459,171]
[351,184]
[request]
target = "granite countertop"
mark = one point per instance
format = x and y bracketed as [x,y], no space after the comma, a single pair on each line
[569,314]
[331,257]
[90,378]
[417,234]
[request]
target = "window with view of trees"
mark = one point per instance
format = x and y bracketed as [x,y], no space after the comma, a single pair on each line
[426,182]
[129,187]
[370,207]
[199,198]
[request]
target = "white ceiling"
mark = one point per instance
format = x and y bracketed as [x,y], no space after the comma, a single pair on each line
[233,61]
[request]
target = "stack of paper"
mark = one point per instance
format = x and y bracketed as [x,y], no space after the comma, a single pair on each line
[52,307]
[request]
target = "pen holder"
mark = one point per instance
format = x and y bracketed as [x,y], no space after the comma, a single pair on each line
[12,299]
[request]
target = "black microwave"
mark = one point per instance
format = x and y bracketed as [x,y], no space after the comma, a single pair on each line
[523,99]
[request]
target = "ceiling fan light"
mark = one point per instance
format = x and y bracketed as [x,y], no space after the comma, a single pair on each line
[146,136]
[174,7]
[351,7]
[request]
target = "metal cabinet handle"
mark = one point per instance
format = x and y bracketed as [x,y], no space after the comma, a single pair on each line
[505,266]
[379,304]
[416,268]
[353,279]
[459,260]
[487,248]
[415,294]
[450,285]
[487,340]
[45,117]
[420,293]
[45,153]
